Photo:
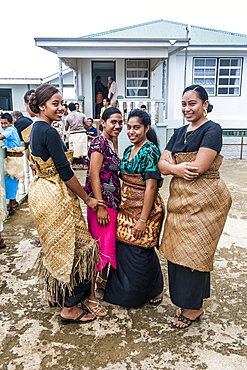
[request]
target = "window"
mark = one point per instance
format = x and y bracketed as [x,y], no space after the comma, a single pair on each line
[6,99]
[137,78]
[219,76]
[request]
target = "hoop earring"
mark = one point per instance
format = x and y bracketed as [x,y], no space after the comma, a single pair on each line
[205,113]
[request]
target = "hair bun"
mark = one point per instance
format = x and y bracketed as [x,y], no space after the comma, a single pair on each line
[33,103]
[210,108]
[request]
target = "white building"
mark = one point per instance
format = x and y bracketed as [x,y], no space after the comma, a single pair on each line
[152,62]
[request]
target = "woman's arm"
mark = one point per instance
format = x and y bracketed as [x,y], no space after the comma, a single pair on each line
[187,170]
[96,161]
[77,188]
[168,166]
[149,197]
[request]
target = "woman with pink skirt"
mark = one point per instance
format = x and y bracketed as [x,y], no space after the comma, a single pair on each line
[103,182]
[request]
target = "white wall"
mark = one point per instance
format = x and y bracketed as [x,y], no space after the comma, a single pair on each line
[229,111]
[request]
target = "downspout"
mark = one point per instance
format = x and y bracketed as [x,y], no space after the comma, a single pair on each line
[185,60]
[60,76]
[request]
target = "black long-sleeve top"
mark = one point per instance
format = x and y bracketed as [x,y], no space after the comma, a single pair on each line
[45,142]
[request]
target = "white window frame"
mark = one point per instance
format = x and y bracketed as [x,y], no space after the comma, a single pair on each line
[229,77]
[217,76]
[137,88]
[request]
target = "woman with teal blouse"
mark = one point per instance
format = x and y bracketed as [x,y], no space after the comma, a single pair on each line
[138,277]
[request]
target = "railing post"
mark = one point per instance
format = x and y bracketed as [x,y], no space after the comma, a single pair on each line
[242,145]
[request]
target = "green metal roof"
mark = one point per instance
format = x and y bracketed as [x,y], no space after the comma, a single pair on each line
[168,29]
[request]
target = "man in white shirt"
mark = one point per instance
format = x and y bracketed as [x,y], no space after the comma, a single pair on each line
[113,91]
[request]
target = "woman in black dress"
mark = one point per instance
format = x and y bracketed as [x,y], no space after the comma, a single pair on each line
[197,206]
[69,254]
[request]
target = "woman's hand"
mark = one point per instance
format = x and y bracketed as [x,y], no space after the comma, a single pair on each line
[169,158]
[186,171]
[94,203]
[139,229]
[103,216]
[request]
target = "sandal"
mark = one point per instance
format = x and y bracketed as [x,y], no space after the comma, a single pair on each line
[160,299]
[101,283]
[97,310]
[2,244]
[186,321]
[77,320]
[12,208]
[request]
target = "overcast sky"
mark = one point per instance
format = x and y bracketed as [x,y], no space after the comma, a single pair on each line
[22,21]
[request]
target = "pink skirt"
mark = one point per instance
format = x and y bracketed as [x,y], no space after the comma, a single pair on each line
[106,237]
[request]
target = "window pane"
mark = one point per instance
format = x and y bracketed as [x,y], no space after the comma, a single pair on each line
[223,90]
[236,62]
[210,90]
[224,81]
[132,73]
[199,72]
[209,72]
[143,92]
[199,62]
[235,72]
[132,64]
[143,64]
[142,73]
[234,90]
[224,62]
[224,72]
[234,81]
[210,62]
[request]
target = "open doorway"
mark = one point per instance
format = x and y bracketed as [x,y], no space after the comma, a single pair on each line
[102,69]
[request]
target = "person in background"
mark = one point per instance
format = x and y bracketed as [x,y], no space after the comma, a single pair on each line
[197,207]
[20,122]
[78,139]
[144,108]
[99,89]
[103,182]
[77,107]
[138,278]
[106,104]
[14,161]
[91,130]
[68,254]
[113,91]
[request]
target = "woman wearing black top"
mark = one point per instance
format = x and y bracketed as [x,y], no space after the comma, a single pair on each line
[69,254]
[197,206]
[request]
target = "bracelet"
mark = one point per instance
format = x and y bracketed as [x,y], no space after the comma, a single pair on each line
[142,220]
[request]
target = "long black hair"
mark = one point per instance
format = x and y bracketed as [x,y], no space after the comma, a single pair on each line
[144,119]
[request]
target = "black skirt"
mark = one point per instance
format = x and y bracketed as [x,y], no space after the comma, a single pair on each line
[188,287]
[138,277]
[80,292]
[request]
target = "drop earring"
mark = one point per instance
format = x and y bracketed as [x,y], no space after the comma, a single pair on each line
[205,113]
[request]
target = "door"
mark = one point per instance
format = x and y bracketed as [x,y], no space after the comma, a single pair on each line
[102,69]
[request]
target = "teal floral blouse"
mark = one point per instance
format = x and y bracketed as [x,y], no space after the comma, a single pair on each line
[145,162]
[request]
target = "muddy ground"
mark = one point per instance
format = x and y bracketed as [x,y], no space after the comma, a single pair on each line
[32,337]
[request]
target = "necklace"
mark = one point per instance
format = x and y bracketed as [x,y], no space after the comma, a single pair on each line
[186,136]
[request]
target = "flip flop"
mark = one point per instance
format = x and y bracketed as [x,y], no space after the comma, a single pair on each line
[77,320]
[160,299]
